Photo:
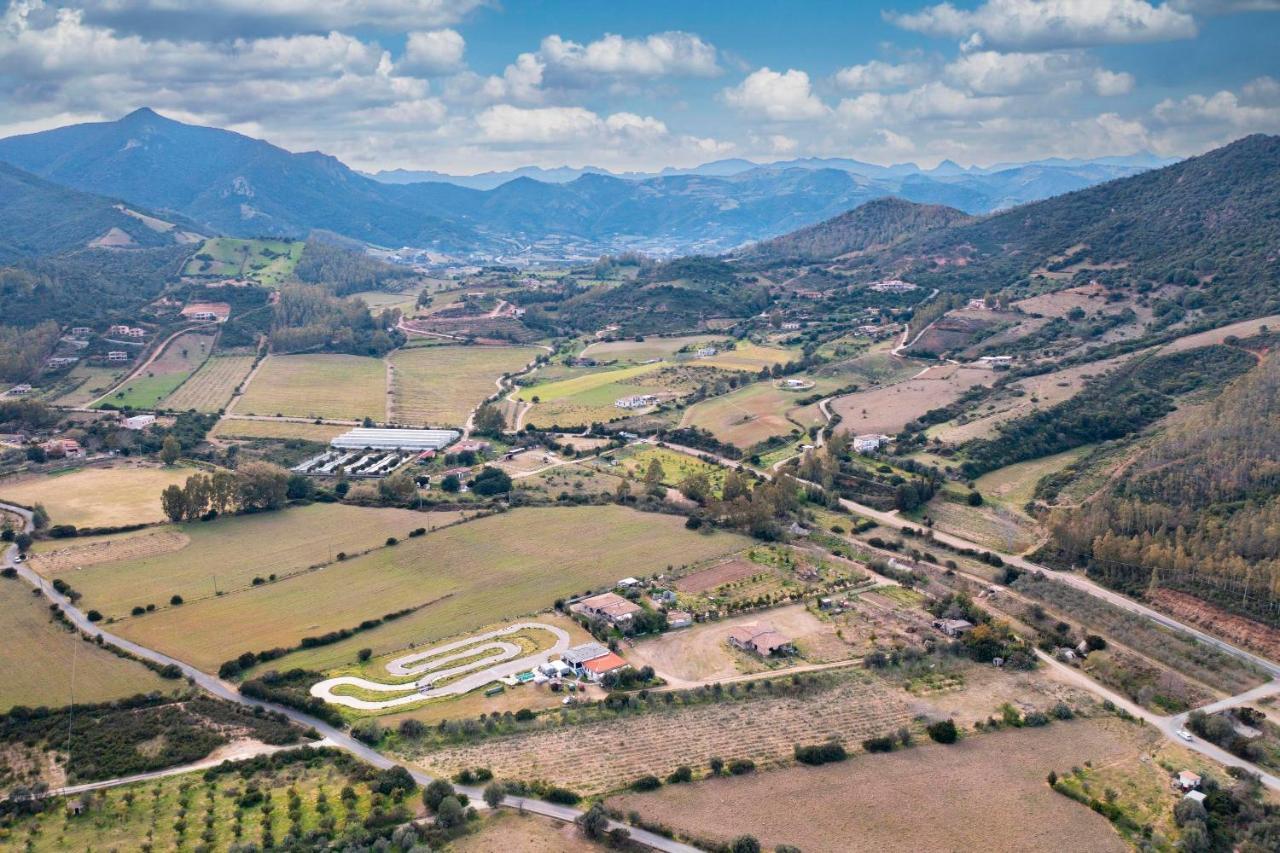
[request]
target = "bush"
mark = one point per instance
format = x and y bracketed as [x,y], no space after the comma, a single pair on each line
[412,729]
[175,600]
[745,844]
[562,796]
[94,616]
[367,731]
[646,783]
[435,792]
[741,766]
[943,732]
[524,715]
[683,773]
[884,743]
[364,654]
[824,753]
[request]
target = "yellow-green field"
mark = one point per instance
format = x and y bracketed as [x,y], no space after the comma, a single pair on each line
[579,400]
[747,355]
[223,555]
[281,429]
[649,348]
[754,413]
[381,300]
[676,467]
[39,654]
[317,386]
[439,386]
[268,262]
[1015,485]
[469,575]
[210,388]
[86,383]
[165,374]
[98,497]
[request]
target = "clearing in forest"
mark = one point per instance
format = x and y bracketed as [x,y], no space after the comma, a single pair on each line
[267,262]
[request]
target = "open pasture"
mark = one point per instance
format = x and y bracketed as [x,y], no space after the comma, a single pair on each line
[485,571]
[676,466]
[267,262]
[40,656]
[888,409]
[210,388]
[352,387]
[381,300]
[439,386]
[250,428]
[994,797]
[1015,485]
[226,554]
[755,413]
[588,397]
[747,355]
[86,383]
[148,388]
[650,348]
[110,496]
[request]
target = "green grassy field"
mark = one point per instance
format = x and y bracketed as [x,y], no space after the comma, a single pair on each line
[474,574]
[210,388]
[677,467]
[1015,485]
[317,386]
[439,386]
[181,357]
[39,657]
[380,300]
[747,355]
[89,383]
[268,262]
[579,400]
[98,497]
[228,553]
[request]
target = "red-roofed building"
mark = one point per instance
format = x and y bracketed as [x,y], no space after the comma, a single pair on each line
[608,606]
[597,668]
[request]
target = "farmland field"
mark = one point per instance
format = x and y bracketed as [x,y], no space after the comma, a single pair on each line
[439,386]
[268,262]
[588,397]
[752,414]
[90,384]
[162,377]
[380,300]
[1015,485]
[890,408]
[747,355]
[282,429]
[210,388]
[317,386]
[482,572]
[98,497]
[676,467]
[520,832]
[763,728]
[995,797]
[227,553]
[39,654]
[649,348]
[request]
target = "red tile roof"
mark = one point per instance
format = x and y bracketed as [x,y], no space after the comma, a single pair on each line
[605,663]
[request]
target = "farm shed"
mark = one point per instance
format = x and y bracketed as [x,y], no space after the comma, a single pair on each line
[608,606]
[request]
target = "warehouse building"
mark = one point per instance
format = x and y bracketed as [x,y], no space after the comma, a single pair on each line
[414,440]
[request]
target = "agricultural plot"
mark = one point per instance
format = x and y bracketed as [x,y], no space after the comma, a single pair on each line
[897,803]
[878,367]
[582,399]
[199,559]
[381,300]
[44,663]
[152,384]
[486,571]
[439,386]
[890,408]
[86,383]
[267,262]
[676,467]
[995,524]
[99,496]
[1014,485]
[747,355]
[650,348]
[210,388]
[351,387]
[755,413]
[250,428]
[523,832]
[755,725]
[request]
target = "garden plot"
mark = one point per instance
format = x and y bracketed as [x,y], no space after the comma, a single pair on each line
[348,387]
[890,408]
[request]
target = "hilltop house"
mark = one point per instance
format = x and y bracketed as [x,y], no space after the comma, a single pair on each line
[608,606]
[117,355]
[760,639]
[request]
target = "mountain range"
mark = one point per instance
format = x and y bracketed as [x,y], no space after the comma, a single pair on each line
[233,184]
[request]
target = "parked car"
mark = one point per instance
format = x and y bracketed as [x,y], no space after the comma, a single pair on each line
[1185,735]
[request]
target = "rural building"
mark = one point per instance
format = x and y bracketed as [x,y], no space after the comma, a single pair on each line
[996,359]
[893,285]
[118,330]
[117,355]
[576,656]
[206,311]
[608,606]
[976,305]
[1188,781]
[129,332]
[63,447]
[1196,796]
[760,639]
[790,326]
[705,352]
[795,383]
[868,443]
[809,294]
[81,331]
[953,627]
[139,421]
[637,401]
[627,583]
[470,445]
[679,619]
[61,361]
[18,390]
[416,440]
[597,668]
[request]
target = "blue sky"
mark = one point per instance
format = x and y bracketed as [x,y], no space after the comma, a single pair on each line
[469,85]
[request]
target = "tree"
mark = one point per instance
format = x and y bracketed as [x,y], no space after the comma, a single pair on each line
[449,813]
[488,420]
[262,486]
[974,498]
[745,844]
[654,474]
[696,488]
[594,823]
[299,487]
[399,488]
[170,450]
[943,731]
[493,794]
[451,483]
[435,792]
[173,501]
[196,493]
[39,517]
[23,541]
[491,481]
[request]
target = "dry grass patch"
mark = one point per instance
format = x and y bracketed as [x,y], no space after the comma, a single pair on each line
[649,348]
[250,428]
[890,408]
[984,793]
[439,386]
[318,386]
[210,388]
[750,415]
[100,496]
[523,832]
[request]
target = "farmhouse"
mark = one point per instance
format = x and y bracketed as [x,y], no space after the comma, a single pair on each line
[61,361]
[18,390]
[637,401]
[139,421]
[470,445]
[608,606]
[117,355]
[1188,781]
[705,352]
[893,285]
[118,330]
[791,326]
[416,440]
[576,656]
[206,311]
[953,627]
[993,360]
[809,294]
[81,331]
[868,443]
[795,383]
[760,639]
[679,619]
[597,668]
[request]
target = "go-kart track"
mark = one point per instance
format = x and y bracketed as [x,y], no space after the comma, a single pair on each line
[430,665]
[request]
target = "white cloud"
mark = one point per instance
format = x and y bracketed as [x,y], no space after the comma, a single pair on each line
[433,51]
[504,123]
[931,101]
[296,14]
[1042,24]
[658,55]
[776,96]
[993,73]
[1112,83]
[1225,7]
[876,74]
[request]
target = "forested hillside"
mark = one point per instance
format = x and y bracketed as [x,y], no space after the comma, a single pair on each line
[873,225]
[346,269]
[310,319]
[1199,510]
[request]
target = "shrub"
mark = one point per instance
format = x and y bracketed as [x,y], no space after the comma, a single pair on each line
[364,654]
[562,796]
[683,773]
[646,783]
[367,731]
[435,792]
[524,715]
[943,732]
[741,766]
[175,600]
[94,616]
[883,743]
[824,753]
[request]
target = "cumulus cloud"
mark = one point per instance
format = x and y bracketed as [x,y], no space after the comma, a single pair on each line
[1045,24]
[776,96]
[433,51]
[876,75]
[994,73]
[658,55]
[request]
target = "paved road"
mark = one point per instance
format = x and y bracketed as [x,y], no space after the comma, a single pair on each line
[334,737]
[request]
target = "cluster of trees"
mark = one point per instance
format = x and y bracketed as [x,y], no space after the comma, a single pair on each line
[1198,510]
[759,508]
[310,318]
[252,487]
[988,639]
[346,270]
[23,351]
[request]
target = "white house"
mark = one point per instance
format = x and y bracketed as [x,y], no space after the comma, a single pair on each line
[139,421]
[117,355]
[705,352]
[637,401]
[868,443]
